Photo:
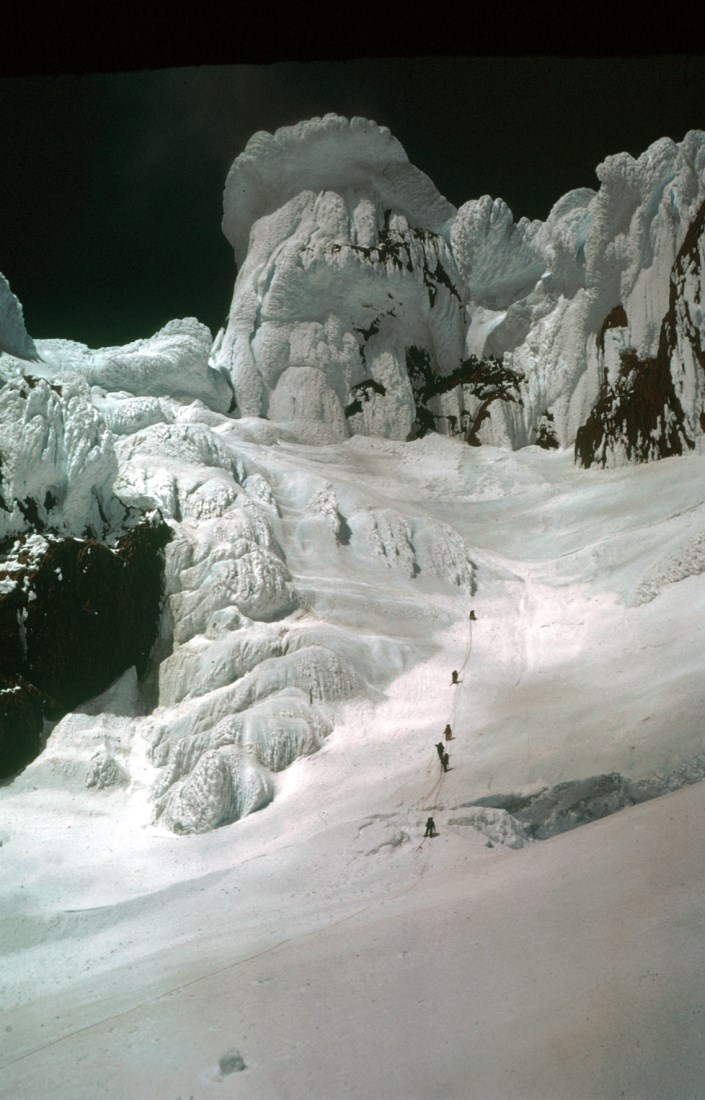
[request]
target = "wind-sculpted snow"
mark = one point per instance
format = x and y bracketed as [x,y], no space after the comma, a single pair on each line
[171,363]
[686,559]
[348,265]
[221,788]
[416,546]
[348,286]
[615,279]
[500,261]
[215,751]
[14,338]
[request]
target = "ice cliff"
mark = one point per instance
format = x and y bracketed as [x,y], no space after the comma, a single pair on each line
[346,264]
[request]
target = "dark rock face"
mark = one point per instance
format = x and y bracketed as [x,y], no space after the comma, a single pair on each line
[616,318]
[21,723]
[79,614]
[641,415]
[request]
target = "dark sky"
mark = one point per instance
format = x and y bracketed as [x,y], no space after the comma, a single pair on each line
[111,183]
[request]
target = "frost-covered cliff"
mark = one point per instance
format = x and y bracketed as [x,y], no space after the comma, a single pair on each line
[615,312]
[354,271]
[345,265]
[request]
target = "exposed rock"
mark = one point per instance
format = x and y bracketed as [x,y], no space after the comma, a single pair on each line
[74,614]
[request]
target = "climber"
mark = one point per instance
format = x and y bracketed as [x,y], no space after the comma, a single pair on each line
[473,616]
[448,734]
[444,761]
[430,828]
[440,750]
[454,674]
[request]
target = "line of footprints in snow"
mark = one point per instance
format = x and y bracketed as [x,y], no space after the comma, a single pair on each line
[447,736]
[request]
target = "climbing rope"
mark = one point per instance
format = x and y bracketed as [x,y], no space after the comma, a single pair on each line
[431,799]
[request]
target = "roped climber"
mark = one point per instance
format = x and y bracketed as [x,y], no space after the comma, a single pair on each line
[430,828]
[444,761]
[447,733]
[454,677]
[440,750]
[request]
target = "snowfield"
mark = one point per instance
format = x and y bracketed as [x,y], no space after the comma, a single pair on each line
[320,947]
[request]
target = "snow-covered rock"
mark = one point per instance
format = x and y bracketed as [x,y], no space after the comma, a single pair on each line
[359,284]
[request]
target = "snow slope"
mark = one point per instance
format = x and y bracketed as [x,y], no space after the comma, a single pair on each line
[315,937]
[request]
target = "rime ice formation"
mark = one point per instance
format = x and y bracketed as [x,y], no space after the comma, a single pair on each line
[14,339]
[613,318]
[356,270]
[348,267]
[172,363]
[365,306]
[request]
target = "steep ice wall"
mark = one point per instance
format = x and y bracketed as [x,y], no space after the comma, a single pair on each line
[612,278]
[354,271]
[14,338]
[348,267]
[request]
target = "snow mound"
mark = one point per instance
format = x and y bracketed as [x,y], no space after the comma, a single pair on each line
[104,772]
[415,546]
[124,414]
[283,728]
[220,789]
[87,751]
